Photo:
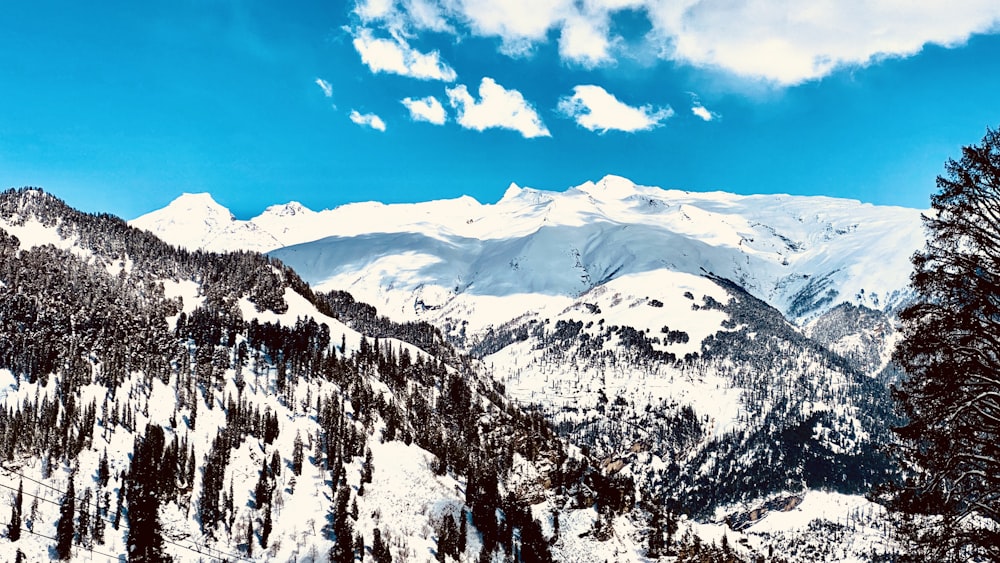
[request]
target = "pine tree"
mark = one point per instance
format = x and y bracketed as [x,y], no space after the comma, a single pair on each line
[145,538]
[463,531]
[116,521]
[380,551]
[265,531]
[262,490]
[14,528]
[343,550]
[64,528]
[83,520]
[443,540]
[359,546]
[99,512]
[250,537]
[369,467]
[950,351]
[297,455]
[103,472]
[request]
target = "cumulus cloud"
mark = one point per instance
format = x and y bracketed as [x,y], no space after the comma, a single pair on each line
[399,16]
[367,120]
[396,56]
[427,109]
[779,41]
[497,107]
[596,109]
[326,87]
[702,112]
[585,40]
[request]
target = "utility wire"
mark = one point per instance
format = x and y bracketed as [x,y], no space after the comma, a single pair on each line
[108,555]
[221,555]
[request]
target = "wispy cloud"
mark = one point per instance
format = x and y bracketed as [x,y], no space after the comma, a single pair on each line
[497,107]
[700,110]
[783,43]
[326,87]
[396,56]
[368,120]
[596,109]
[427,109]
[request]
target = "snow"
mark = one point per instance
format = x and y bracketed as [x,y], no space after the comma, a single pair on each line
[611,252]
[537,242]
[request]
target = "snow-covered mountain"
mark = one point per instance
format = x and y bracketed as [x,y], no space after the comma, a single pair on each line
[617,385]
[802,255]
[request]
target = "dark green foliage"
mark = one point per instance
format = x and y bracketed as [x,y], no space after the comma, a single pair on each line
[463,532]
[14,528]
[250,538]
[343,529]
[297,455]
[150,480]
[365,319]
[65,525]
[380,551]
[212,482]
[83,530]
[949,446]
[100,513]
[262,492]
[265,530]
[103,472]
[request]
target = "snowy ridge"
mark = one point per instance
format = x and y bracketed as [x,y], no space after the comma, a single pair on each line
[802,255]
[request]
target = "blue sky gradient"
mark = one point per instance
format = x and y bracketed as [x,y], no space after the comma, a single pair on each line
[122,106]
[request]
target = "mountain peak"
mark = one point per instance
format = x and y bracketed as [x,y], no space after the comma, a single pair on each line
[290,209]
[513,190]
[609,187]
[201,204]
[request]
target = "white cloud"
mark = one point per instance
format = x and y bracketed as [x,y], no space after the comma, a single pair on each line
[497,108]
[597,110]
[702,112]
[397,57]
[520,24]
[368,120]
[585,40]
[783,42]
[427,109]
[788,42]
[400,16]
[326,86]
[374,9]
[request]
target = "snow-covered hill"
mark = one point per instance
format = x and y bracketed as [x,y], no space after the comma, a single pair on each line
[803,255]
[639,384]
[728,351]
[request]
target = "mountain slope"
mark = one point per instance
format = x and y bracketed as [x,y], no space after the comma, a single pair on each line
[206,405]
[802,255]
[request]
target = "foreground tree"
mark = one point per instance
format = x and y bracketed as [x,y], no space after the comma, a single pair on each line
[14,528]
[64,527]
[950,444]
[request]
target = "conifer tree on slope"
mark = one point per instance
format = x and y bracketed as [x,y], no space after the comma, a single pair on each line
[147,476]
[64,527]
[950,444]
[14,528]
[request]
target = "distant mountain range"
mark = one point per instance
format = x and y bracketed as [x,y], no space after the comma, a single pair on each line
[802,255]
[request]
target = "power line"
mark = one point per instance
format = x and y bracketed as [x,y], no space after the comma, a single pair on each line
[92,550]
[212,552]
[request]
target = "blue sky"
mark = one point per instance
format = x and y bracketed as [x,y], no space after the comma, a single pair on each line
[120,106]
